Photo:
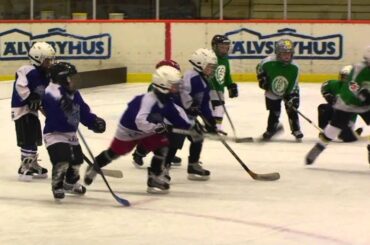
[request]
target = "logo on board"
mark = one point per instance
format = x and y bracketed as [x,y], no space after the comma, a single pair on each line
[250,44]
[15,43]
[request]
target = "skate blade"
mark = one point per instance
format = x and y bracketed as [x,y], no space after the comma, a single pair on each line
[197,177]
[40,176]
[155,190]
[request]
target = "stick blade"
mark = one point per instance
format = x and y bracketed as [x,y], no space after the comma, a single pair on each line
[112,173]
[244,140]
[122,201]
[267,177]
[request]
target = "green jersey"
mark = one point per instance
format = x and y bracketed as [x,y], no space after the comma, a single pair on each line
[348,99]
[332,87]
[222,77]
[282,78]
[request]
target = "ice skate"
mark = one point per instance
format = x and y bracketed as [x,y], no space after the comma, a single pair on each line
[90,175]
[314,153]
[176,162]
[58,193]
[137,159]
[298,135]
[76,188]
[197,172]
[38,171]
[269,134]
[156,183]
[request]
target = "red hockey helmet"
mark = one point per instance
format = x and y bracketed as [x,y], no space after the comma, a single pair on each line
[171,63]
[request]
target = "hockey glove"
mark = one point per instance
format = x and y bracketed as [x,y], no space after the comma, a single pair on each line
[292,100]
[193,111]
[263,80]
[99,125]
[233,90]
[162,128]
[364,96]
[330,98]
[210,126]
[34,101]
[66,104]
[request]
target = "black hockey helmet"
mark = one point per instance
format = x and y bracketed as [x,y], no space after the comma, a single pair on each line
[59,72]
[218,40]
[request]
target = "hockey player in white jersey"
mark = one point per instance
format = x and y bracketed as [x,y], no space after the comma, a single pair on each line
[28,90]
[145,122]
[65,109]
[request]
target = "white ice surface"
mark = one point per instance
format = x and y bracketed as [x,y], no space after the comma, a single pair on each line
[327,203]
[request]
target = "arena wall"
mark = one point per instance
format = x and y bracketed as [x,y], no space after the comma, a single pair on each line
[322,48]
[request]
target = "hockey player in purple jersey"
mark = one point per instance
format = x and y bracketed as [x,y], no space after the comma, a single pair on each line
[146,122]
[195,99]
[64,110]
[28,90]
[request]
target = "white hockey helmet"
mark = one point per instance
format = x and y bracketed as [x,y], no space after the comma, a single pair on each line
[165,77]
[201,58]
[367,55]
[39,52]
[344,72]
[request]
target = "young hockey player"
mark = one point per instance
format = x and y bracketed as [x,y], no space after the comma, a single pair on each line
[278,76]
[145,122]
[140,151]
[353,98]
[64,109]
[195,100]
[28,90]
[329,90]
[221,79]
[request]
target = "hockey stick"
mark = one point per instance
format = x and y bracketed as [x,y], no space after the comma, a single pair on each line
[122,201]
[107,172]
[217,137]
[237,140]
[307,119]
[255,176]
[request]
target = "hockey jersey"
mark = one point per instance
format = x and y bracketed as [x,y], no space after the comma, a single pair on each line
[222,77]
[145,112]
[195,91]
[61,123]
[348,99]
[28,79]
[282,78]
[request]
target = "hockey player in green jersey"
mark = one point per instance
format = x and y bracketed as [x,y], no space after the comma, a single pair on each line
[278,76]
[329,90]
[221,79]
[353,98]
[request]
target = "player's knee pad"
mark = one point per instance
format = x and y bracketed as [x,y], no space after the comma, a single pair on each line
[28,130]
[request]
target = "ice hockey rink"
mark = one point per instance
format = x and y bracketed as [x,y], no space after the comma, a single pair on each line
[327,203]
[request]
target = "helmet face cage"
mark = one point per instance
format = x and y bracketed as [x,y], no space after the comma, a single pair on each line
[283,47]
[221,45]
[167,79]
[61,72]
[39,52]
